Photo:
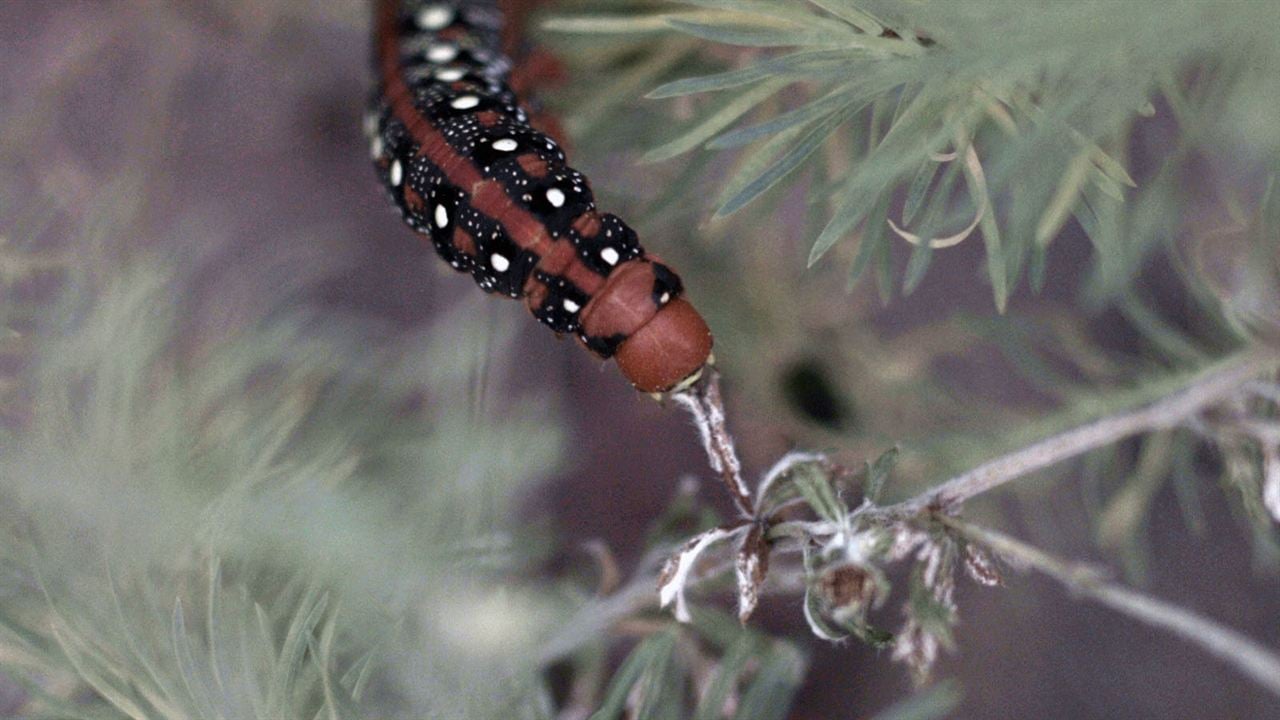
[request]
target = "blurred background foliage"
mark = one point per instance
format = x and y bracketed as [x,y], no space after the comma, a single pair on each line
[262,457]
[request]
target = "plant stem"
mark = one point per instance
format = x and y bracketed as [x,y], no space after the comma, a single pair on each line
[1259,663]
[705,403]
[1181,404]
[1192,397]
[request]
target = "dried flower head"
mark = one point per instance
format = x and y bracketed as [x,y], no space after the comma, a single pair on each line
[846,585]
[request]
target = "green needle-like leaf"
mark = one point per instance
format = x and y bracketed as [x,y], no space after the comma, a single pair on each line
[789,161]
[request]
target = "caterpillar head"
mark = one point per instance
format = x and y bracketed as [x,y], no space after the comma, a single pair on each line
[669,352]
[639,318]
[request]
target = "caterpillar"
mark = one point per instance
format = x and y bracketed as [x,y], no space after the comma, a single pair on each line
[455,149]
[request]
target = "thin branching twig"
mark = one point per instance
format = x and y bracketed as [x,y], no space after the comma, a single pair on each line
[1261,664]
[1209,388]
[850,539]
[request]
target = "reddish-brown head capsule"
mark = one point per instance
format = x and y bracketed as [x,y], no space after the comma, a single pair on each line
[667,352]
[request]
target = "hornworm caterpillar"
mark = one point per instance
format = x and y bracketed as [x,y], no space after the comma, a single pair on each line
[455,149]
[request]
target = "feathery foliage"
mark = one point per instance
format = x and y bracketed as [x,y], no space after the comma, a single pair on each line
[932,121]
[259,527]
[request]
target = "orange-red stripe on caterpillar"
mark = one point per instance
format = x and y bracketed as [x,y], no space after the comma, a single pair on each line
[455,149]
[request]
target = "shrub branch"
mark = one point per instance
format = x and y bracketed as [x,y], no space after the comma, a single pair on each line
[1206,389]
[1254,660]
[858,533]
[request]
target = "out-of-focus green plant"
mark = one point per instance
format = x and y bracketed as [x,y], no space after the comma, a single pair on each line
[266,525]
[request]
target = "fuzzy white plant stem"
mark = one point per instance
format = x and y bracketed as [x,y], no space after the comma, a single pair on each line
[675,576]
[705,403]
[1271,480]
[1258,662]
[1209,388]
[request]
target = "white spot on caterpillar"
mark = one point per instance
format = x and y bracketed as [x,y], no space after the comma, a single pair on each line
[666,298]
[571,306]
[441,53]
[450,74]
[556,197]
[435,17]
[376,147]
[505,145]
[370,124]
[397,174]
[442,217]
[466,102]
[499,262]
[610,256]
